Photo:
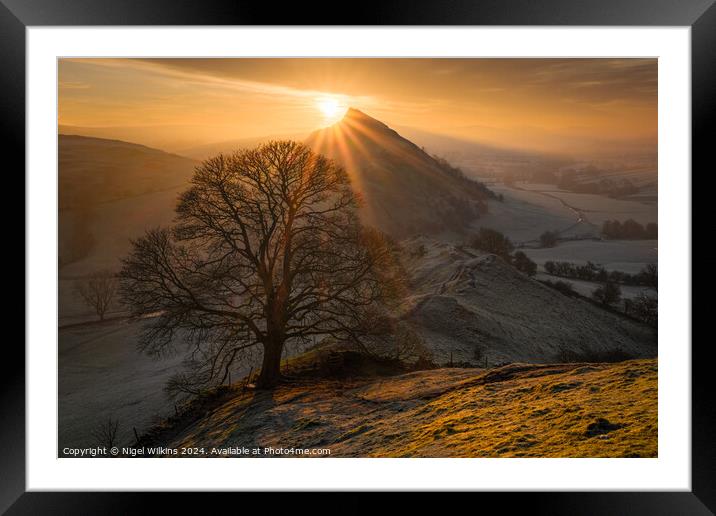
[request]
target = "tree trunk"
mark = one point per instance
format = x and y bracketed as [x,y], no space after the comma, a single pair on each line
[271,366]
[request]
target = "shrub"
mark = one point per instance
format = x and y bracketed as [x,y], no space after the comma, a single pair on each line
[492,241]
[478,354]
[608,294]
[645,308]
[629,230]
[565,287]
[550,267]
[523,264]
[548,239]
[647,277]
[419,251]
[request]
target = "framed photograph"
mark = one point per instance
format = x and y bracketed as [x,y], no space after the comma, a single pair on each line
[419,252]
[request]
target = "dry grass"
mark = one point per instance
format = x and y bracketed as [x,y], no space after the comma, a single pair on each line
[566,410]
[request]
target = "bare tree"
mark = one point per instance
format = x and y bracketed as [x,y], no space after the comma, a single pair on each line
[408,344]
[105,434]
[97,291]
[266,248]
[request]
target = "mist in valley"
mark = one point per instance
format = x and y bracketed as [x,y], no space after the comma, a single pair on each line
[526,267]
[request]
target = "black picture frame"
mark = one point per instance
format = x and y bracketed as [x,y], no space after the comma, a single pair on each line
[700,15]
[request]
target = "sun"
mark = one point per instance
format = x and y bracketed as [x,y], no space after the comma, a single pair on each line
[330,108]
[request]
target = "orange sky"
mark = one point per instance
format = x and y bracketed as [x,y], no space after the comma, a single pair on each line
[556,105]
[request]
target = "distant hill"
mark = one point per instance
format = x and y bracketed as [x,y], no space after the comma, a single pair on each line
[634,175]
[208,150]
[96,170]
[166,138]
[482,160]
[405,190]
[110,191]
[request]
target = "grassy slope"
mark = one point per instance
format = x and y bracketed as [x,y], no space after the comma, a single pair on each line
[94,170]
[111,191]
[470,304]
[515,411]
[405,191]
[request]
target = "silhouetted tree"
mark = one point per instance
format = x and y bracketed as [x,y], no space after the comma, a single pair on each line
[97,291]
[267,248]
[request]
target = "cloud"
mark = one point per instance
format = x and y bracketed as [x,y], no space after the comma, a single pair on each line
[244,97]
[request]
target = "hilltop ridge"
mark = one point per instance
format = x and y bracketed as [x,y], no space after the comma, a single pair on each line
[405,190]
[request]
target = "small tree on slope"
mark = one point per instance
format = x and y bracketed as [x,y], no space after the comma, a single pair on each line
[97,291]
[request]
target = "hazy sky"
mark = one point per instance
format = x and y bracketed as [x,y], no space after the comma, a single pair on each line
[548,104]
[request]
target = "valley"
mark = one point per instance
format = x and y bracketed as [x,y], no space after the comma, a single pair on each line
[508,331]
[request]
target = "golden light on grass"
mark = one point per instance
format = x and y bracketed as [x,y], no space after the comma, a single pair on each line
[561,410]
